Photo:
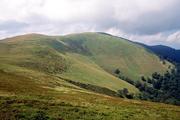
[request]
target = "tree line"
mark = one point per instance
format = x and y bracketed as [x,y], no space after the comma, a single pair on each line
[159,88]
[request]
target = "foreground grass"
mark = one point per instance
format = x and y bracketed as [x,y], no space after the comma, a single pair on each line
[30,95]
[46,97]
[71,104]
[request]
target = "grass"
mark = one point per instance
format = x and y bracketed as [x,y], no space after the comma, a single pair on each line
[90,58]
[83,106]
[86,71]
[111,53]
[34,70]
[53,56]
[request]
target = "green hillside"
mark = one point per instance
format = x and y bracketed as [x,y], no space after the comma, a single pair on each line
[111,52]
[50,55]
[89,58]
[29,95]
[72,77]
[26,97]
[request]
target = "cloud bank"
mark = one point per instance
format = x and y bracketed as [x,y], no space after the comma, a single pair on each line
[151,22]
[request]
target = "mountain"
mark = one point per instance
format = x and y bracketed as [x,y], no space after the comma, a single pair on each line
[72,77]
[59,56]
[111,52]
[89,58]
[165,52]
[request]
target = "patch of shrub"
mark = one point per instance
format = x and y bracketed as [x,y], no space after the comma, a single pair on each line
[40,115]
[124,93]
[93,88]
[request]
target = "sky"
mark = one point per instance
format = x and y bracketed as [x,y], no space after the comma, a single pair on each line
[148,21]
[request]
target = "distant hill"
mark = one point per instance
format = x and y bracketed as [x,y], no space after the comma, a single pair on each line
[166,52]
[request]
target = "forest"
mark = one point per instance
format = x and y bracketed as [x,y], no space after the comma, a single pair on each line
[158,88]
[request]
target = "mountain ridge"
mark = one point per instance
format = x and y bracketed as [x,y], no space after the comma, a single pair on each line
[166,52]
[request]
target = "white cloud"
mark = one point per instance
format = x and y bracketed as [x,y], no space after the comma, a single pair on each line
[141,20]
[175,37]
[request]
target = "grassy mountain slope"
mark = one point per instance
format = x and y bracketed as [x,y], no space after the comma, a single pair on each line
[51,56]
[34,70]
[89,58]
[111,53]
[86,71]
[34,95]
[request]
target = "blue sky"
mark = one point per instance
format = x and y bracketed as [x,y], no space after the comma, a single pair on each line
[151,22]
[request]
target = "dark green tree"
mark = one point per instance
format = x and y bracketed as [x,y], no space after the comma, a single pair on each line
[117,71]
